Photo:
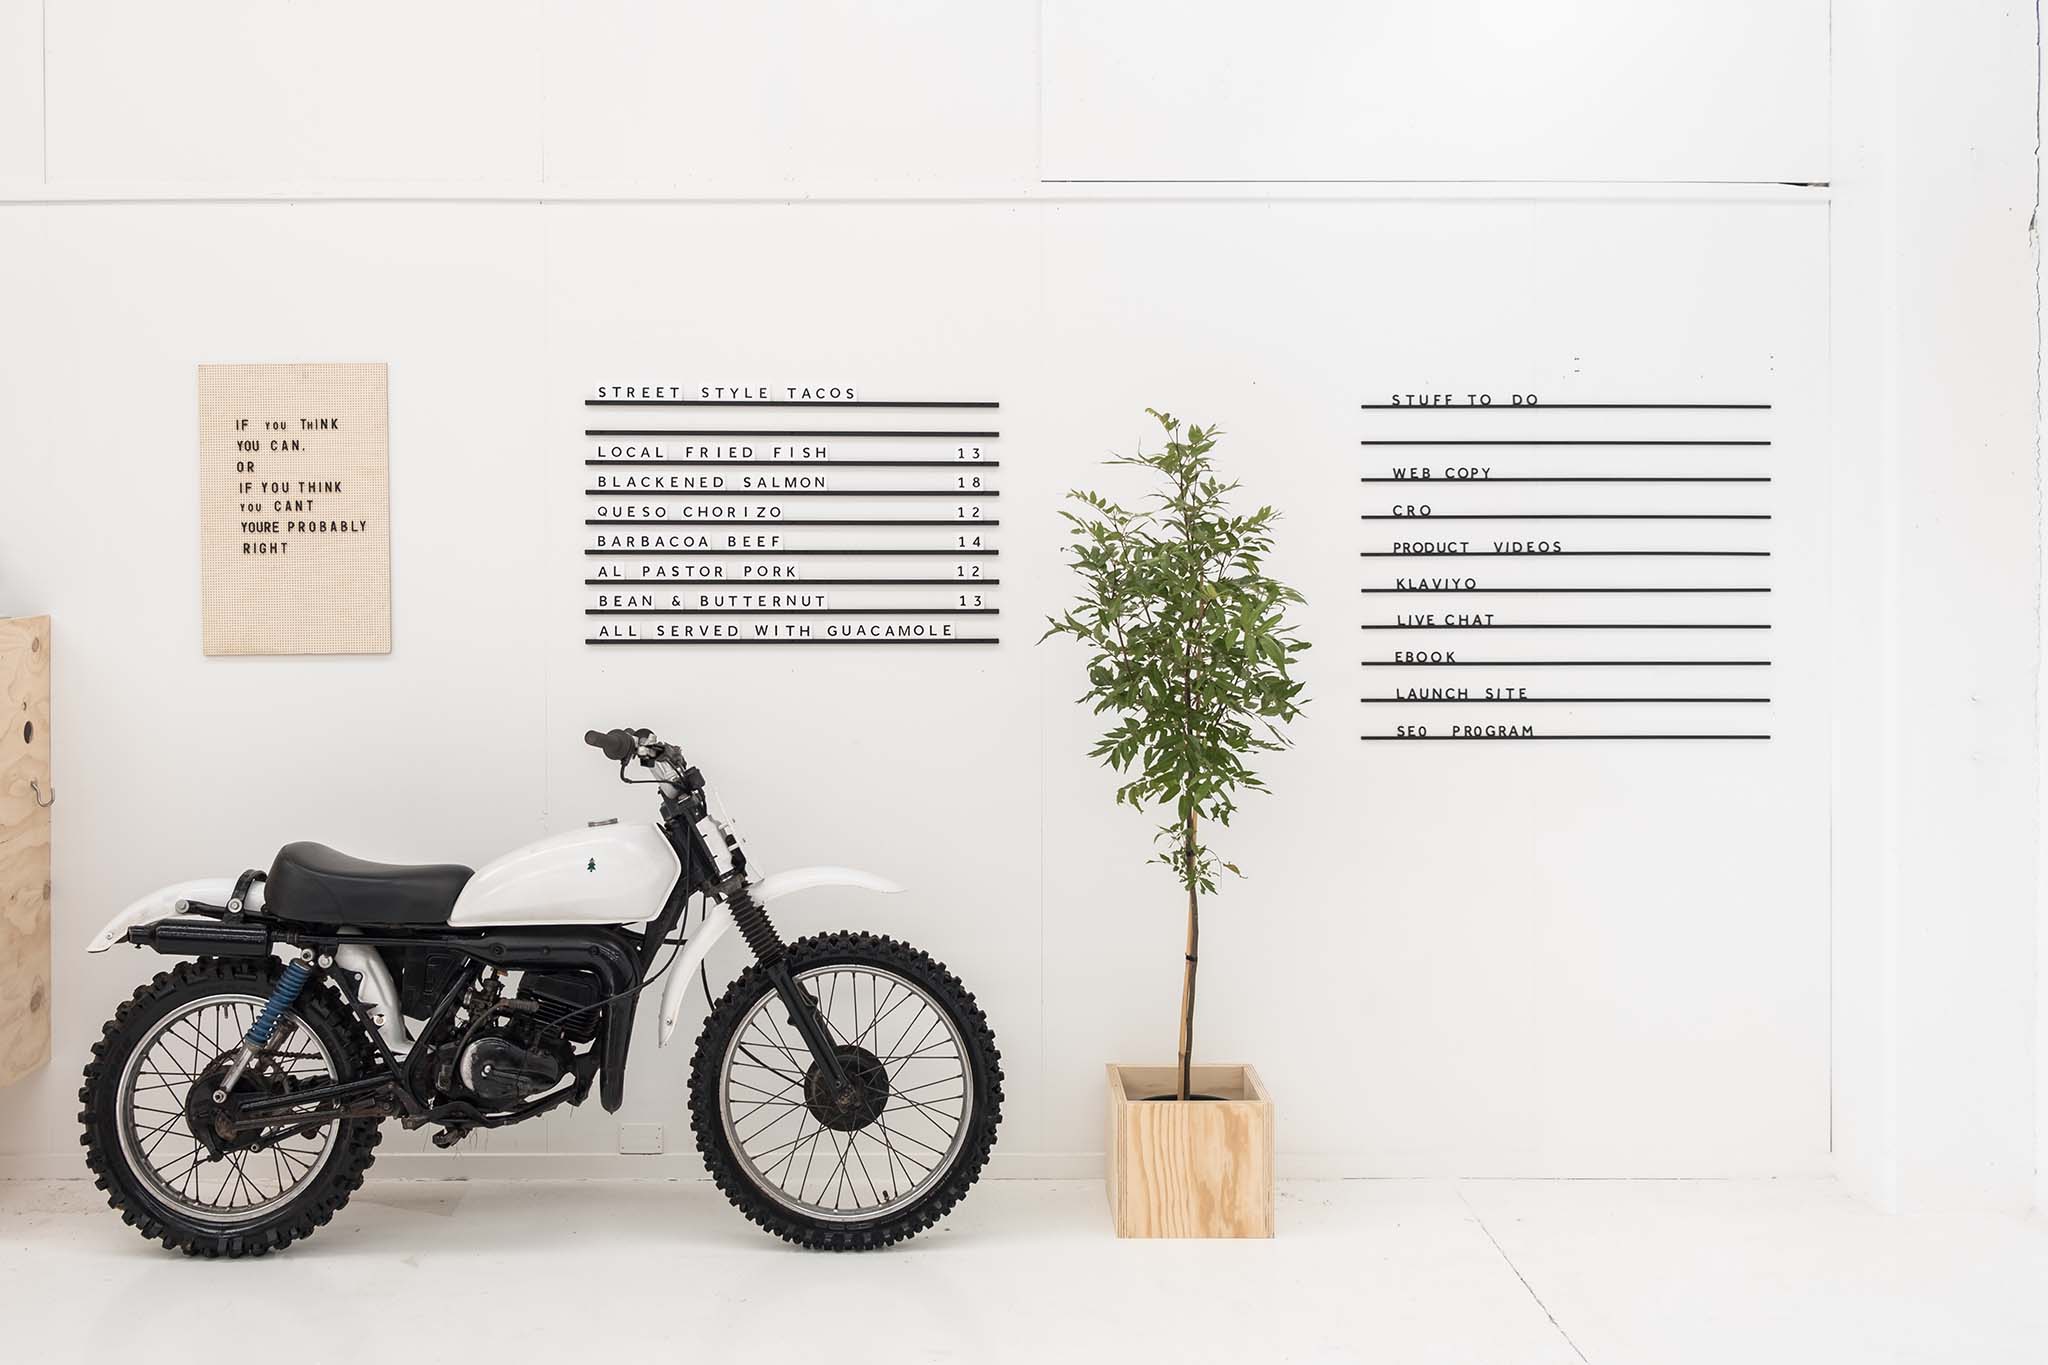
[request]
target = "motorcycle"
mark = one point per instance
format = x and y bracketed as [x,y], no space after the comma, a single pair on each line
[845,1092]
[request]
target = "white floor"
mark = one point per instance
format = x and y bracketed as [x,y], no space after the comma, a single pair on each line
[1502,1272]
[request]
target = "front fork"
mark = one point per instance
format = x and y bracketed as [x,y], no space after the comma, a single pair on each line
[804,1016]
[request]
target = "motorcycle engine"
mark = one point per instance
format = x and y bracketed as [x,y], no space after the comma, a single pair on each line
[499,1071]
[532,1046]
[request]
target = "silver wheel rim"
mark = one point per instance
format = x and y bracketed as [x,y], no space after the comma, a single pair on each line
[239,1187]
[871,1171]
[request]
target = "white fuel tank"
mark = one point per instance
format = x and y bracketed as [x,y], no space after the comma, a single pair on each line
[606,874]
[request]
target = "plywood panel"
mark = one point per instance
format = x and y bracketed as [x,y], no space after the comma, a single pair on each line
[24,845]
[1484,90]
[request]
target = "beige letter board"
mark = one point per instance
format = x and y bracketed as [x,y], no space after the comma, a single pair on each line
[294,505]
[24,845]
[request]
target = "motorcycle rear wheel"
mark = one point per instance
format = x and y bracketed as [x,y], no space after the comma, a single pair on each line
[146,1075]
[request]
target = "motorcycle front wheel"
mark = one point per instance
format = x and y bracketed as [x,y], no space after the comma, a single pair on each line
[873,1163]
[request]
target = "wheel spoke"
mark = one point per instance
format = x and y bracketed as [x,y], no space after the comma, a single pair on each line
[187,1031]
[778,1147]
[241,1178]
[805,1183]
[930,1103]
[838,1177]
[788,1161]
[168,1131]
[793,1077]
[936,1050]
[763,1129]
[914,1142]
[901,1000]
[183,1078]
[853,1146]
[908,1025]
[296,1162]
[758,1105]
[888,1137]
[904,1059]
[185,1164]
[896,1162]
[742,1085]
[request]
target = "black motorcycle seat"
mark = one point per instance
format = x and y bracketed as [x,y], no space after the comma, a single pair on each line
[313,884]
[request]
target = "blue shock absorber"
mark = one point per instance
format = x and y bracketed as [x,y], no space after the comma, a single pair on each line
[281,997]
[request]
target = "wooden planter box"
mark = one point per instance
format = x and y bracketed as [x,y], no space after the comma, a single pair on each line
[1203,1168]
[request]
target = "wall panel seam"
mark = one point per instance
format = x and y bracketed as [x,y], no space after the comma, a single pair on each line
[32,194]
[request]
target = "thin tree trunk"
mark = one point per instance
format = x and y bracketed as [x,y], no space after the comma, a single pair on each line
[1187,981]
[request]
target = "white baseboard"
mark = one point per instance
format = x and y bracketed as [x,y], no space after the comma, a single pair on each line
[488,1165]
[460,1165]
[44,1166]
[566,1166]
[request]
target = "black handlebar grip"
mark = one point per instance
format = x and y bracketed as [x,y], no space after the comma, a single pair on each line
[618,745]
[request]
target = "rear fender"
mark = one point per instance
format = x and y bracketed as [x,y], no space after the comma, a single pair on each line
[378,990]
[719,920]
[162,904]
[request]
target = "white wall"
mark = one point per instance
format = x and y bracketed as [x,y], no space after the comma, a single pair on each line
[1936,822]
[1497,90]
[1616,963]
[2041,700]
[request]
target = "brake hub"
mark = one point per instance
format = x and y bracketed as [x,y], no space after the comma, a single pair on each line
[208,1121]
[856,1105]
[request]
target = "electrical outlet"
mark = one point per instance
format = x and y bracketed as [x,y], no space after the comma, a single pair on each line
[640,1139]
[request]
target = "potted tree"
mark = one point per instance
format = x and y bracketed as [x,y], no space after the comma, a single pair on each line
[1189,648]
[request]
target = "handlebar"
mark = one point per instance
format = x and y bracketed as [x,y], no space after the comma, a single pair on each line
[623,746]
[682,786]
[618,745]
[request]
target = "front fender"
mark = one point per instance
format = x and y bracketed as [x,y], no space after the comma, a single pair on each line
[770,888]
[162,904]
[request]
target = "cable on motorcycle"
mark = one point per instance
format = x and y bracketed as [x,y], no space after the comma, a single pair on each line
[675,947]
[674,953]
[703,964]
[637,781]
